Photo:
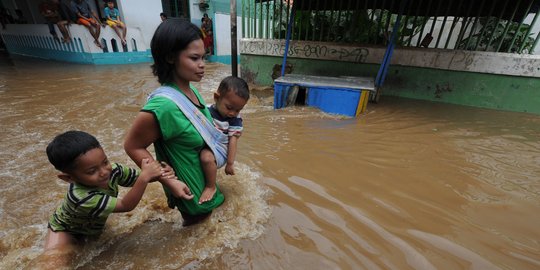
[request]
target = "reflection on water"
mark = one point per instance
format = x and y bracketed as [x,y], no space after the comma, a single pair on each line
[408,185]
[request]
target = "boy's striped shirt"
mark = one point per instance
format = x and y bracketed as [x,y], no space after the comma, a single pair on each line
[84,210]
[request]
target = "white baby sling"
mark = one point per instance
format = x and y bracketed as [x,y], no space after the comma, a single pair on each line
[215,139]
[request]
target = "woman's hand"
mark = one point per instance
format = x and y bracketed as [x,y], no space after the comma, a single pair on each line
[178,188]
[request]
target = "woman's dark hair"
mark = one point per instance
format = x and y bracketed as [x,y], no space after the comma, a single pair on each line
[235,84]
[171,37]
[65,148]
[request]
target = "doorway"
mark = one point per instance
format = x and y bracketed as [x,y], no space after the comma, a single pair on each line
[176,8]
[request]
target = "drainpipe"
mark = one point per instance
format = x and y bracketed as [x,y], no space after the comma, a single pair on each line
[383,69]
[287,38]
[234,42]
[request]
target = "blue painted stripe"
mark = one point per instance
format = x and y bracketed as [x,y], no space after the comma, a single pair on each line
[224,59]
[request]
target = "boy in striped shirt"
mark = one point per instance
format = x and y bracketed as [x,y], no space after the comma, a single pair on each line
[93,189]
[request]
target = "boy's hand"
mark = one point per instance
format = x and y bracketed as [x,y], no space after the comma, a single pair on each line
[167,172]
[229,169]
[150,170]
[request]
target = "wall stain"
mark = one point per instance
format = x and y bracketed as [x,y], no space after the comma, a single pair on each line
[276,70]
[248,75]
[441,89]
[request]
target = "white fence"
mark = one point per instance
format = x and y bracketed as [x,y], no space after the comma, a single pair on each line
[38,36]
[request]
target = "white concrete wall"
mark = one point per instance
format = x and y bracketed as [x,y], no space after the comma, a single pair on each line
[195,12]
[142,15]
[222,33]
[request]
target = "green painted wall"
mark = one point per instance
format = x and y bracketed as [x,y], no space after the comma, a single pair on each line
[224,6]
[511,93]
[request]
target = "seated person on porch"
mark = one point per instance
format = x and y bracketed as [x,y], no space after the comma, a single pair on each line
[50,9]
[20,17]
[5,17]
[67,12]
[113,20]
[88,18]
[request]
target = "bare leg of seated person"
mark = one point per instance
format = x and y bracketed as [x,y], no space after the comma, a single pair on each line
[118,31]
[124,33]
[95,34]
[62,25]
[98,44]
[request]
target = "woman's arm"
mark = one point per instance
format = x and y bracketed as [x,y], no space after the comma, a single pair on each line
[142,134]
[93,14]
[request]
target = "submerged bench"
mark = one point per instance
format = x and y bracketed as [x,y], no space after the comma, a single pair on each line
[339,95]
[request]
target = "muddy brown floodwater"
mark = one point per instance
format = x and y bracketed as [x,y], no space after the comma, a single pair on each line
[408,185]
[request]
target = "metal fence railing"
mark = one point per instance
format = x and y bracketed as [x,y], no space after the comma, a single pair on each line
[477,25]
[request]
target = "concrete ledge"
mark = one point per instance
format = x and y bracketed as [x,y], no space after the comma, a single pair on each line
[469,61]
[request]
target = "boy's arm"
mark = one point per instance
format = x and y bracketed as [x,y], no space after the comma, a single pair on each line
[81,16]
[93,14]
[98,20]
[150,170]
[231,155]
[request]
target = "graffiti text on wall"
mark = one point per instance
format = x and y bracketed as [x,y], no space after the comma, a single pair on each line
[306,50]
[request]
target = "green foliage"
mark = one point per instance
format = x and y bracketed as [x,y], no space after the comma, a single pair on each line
[347,26]
[510,36]
[375,27]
